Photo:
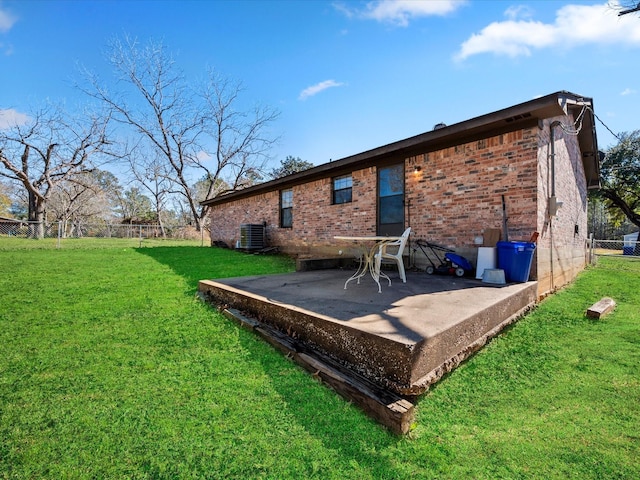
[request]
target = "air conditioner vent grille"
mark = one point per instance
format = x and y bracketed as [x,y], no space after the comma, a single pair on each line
[252,236]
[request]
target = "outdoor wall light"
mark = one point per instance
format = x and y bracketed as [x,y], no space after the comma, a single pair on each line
[416,169]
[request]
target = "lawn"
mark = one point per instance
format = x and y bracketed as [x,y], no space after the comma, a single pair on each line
[111,368]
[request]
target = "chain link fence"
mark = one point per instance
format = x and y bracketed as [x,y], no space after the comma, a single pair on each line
[625,248]
[60,231]
[24,229]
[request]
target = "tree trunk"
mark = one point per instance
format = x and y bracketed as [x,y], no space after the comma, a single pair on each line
[37,228]
[619,202]
[32,212]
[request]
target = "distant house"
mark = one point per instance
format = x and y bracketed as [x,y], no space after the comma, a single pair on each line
[448,185]
[11,226]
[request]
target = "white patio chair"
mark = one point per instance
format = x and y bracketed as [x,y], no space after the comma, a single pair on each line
[393,254]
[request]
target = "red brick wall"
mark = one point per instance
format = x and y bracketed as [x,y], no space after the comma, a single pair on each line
[452,200]
[458,192]
[227,218]
[561,249]
[315,219]
[455,196]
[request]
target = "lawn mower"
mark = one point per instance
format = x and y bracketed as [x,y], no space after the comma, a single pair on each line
[447,261]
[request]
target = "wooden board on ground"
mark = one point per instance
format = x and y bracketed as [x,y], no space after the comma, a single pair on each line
[601,308]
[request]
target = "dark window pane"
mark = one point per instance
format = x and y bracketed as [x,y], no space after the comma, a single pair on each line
[342,196]
[286,208]
[342,189]
[392,209]
[287,218]
[391,200]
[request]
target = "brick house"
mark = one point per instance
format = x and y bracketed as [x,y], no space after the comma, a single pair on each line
[447,185]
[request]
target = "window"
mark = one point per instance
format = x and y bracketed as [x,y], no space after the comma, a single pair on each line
[391,200]
[342,189]
[286,208]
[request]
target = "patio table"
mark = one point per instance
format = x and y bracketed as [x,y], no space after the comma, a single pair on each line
[367,245]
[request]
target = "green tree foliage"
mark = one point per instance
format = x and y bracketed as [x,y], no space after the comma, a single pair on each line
[134,207]
[5,201]
[290,165]
[620,178]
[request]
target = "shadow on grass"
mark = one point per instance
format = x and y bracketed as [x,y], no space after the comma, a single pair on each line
[323,414]
[339,425]
[203,263]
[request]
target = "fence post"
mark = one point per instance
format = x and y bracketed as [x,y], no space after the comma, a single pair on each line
[59,233]
[140,235]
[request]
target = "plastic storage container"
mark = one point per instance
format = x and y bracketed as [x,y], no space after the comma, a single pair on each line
[515,259]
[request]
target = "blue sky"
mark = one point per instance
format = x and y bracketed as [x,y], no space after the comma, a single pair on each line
[346,76]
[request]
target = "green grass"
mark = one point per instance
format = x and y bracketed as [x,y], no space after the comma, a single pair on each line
[110,368]
[15,243]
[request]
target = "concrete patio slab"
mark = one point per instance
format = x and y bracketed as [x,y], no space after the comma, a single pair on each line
[403,339]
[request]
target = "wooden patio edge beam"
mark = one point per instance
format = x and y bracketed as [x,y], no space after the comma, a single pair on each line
[389,409]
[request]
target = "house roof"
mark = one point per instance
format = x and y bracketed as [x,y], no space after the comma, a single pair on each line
[508,119]
[10,220]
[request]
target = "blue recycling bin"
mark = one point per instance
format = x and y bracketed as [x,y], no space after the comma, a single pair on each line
[515,259]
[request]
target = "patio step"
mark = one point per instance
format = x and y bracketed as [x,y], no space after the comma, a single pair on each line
[322,263]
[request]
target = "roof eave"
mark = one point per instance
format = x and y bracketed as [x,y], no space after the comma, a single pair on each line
[507,119]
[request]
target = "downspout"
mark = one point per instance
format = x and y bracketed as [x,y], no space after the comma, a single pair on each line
[552,204]
[409,224]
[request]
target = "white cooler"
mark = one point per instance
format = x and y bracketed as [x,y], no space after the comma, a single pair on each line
[487,258]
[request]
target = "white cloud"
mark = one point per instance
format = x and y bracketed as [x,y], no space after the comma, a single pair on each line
[317,88]
[6,21]
[628,91]
[574,25]
[400,12]
[519,11]
[203,156]
[11,118]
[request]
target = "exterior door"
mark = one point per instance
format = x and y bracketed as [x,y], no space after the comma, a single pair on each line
[391,200]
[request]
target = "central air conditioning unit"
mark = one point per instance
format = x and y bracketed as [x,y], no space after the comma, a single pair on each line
[252,236]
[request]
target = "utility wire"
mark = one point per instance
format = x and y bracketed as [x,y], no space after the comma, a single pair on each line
[577,124]
[604,124]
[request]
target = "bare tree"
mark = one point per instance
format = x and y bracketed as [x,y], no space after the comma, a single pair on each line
[190,131]
[48,150]
[626,7]
[152,175]
[240,139]
[82,199]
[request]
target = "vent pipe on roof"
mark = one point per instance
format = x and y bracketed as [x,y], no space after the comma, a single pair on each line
[440,125]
